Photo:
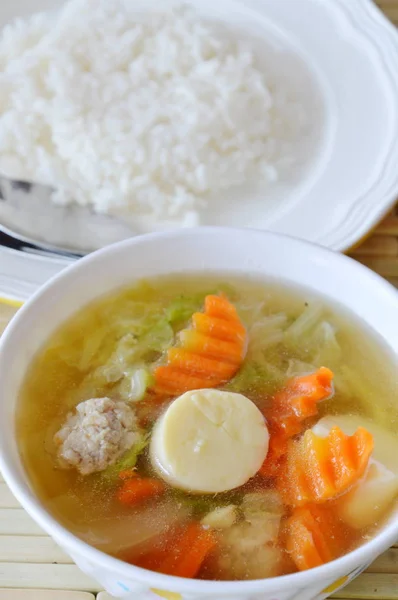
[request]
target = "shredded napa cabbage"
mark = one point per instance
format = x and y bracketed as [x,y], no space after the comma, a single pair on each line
[134,384]
[125,346]
[313,339]
[141,328]
[182,308]
[256,377]
[198,504]
[266,332]
[299,367]
[128,460]
[325,339]
[304,324]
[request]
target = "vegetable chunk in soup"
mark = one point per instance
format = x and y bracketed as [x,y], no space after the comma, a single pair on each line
[225,431]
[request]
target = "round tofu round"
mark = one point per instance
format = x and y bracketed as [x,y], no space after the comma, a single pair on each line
[370,498]
[209,441]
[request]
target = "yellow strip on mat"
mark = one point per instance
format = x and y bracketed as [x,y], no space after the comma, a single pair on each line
[336,585]
[167,595]
[10,302]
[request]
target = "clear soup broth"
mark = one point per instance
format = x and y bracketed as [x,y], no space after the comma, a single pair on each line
[318,481]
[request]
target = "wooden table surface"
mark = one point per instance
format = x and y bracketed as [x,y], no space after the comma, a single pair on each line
[33,567]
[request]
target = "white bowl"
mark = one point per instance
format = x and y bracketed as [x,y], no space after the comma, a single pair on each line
[338,278]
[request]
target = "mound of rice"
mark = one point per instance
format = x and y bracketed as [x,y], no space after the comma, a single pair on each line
[137,113]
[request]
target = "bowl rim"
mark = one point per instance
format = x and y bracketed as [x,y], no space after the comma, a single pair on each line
[343,565]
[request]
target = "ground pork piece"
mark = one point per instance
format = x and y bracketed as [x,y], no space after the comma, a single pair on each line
[96,434]
[249,549]
[265,561]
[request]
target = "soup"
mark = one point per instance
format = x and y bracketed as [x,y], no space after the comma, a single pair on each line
[224,431]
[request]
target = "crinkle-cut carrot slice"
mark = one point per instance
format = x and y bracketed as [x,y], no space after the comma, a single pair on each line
[198,364]
[136,490]
[176,381]
[300,545]
[229,331]
[150,560]
[220,307]
[311,534]
[210,352]
[340,536]
[183,554]
[296,402]
[301,394]
[193,559]
[154,556]
[212,347]
[317,462]
[292,480]
[179,546]
[320,469]
[277,448]
[350,455]
[288,427]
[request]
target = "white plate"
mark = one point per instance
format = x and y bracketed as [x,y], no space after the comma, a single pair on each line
[21,274]
[350,51]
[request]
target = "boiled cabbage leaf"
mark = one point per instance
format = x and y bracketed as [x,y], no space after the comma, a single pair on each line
[128,460]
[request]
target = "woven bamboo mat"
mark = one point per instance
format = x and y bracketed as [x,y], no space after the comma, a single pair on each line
[32,567]
[380,250]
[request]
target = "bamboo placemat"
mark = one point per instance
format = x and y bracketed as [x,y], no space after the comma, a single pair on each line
[32,567]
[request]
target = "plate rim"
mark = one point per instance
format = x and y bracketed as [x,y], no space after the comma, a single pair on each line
[360,228]
[366,212]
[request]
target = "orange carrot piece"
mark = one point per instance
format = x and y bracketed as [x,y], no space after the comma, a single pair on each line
[309,537]
[350,455]
[210,353]
[196,554]
[278,443]
[176,381]
[182,553]
[318,464]
[198,364]
[221,308]
[300,545]
[288,426]
[339,535]
[159,551]
[188,552]
[296,402]
[150,560]
[212,347]
[320,469]
[136,490]
[221,329]
[301,394]
[292,477]
[184,539]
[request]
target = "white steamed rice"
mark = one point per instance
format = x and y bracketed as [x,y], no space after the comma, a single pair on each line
[141,114]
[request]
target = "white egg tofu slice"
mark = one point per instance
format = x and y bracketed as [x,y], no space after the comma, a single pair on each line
[369,500]
[209,441]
